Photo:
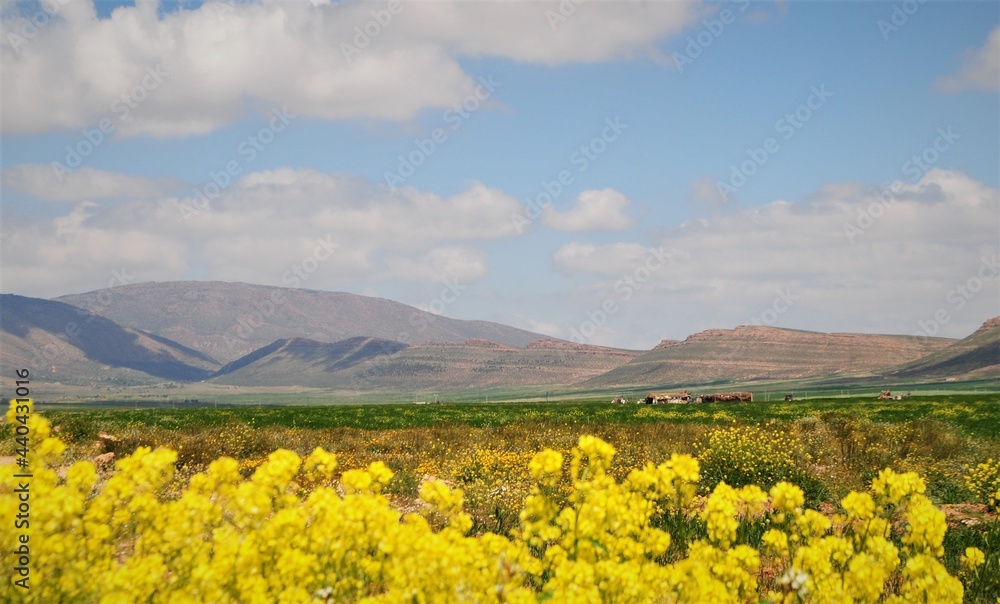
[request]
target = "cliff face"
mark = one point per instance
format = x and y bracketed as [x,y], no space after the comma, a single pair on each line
[751,352]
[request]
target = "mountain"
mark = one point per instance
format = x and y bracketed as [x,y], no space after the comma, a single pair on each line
[238,335]
[365,364]
[976,356]
[229,320]
[749,353]
[297,361]
[70,345]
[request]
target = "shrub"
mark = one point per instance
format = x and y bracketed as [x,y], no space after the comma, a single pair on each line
[984,482]
[743,455]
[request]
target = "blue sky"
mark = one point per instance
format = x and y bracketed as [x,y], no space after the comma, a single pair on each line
[790,248]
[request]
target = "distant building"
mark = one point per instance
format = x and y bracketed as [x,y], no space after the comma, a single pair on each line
[657,398]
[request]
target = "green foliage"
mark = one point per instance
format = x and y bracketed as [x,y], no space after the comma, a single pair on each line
[979,415]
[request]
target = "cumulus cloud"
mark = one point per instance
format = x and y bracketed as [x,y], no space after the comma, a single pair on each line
[279,227]
[41,182]
[706,191]
[613,259]
[980,68]
[843,252]
[223,59]
[602,210]
[544,328]
[72,254]
[441,264]
[533,32]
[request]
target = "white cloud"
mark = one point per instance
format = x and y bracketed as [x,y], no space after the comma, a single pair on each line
[444,264]
[545,328]
[223,60]
[74,254]
[615,259]
[548,329]
[277,227]
[41,182]
[980,68]
[526,31]
[602,210]
[706,191]
[932,238]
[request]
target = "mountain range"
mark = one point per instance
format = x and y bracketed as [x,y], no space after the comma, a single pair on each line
[229,320]
[754,353]
[235,335]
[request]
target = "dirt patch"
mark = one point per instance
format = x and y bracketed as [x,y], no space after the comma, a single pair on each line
[966,514]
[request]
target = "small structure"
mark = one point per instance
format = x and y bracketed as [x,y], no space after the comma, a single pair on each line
[728,397]
[620,400]
[658,398]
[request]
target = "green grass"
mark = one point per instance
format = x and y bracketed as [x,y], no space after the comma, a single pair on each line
[977,415]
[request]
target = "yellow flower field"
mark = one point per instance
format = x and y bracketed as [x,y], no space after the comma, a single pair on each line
[299,528]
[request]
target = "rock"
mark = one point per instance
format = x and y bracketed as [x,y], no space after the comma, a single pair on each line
[104,460]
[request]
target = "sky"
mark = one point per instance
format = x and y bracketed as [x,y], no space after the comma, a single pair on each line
[609,172]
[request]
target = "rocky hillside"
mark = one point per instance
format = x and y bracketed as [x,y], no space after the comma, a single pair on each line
[229,320]
[441,366]
[974,357]
[297,361]
[62,343]
[749,353]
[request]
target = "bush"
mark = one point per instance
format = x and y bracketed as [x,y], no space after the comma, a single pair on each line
[742,455]
[984,482]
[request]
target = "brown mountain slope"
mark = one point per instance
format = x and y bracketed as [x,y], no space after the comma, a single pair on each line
[749,353]
[977,356]
[62,343]
[229,320]
[442,366]
[300,361]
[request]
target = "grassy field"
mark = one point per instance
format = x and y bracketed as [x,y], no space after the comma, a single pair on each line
[180,395]
[975,414]
[828,446]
